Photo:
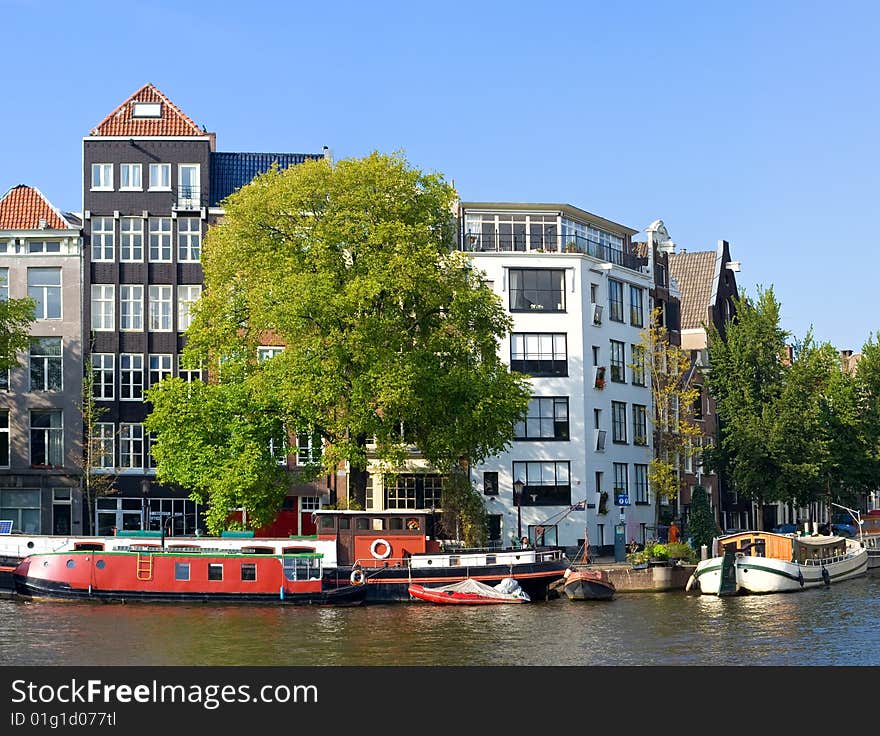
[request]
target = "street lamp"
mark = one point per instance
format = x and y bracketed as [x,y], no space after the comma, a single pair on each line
[517,494]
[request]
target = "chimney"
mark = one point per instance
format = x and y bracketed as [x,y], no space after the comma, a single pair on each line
[328,155]
[43,223]
[212,142]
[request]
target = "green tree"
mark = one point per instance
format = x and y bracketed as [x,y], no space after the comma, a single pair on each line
[747,380]
[464,513]
[702,527]
[867,397]
[669,371]
[16,316]
[390,334]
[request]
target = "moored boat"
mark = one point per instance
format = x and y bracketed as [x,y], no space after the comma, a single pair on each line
[580,583]
[768,562]
[471,592]
[154,574]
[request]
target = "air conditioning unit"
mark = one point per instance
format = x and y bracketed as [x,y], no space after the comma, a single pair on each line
[597,314]
[600,439]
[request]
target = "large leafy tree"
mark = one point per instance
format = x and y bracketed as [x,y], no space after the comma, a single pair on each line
[867,397]
[390,334]
[747,379]
[16,316]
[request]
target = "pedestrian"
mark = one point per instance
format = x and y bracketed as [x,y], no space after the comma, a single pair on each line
[673,532]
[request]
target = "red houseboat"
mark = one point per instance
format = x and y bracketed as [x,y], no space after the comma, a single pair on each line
[151,573]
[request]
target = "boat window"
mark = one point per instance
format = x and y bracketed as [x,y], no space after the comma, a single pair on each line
[215,571]
[344,522]
[89,546]
[491,559]
[297,550]
[71,563]
[361,523]
[181,571]
[395,523]
[100,564]
[378,524]
[454,561]
[258,550]
[760,548]
[327,522]
[248,570]
[412,525]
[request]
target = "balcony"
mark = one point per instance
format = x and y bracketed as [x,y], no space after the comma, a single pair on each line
[189,198]
[523,243]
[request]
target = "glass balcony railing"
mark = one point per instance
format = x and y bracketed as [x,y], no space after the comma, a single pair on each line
[189,197]
[508,243]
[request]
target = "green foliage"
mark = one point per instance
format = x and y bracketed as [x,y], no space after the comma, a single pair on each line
[702,527]
[464,513]
[681,551]
[16,317]
[390,334]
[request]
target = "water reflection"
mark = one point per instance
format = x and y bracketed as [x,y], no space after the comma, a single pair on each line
[821,626]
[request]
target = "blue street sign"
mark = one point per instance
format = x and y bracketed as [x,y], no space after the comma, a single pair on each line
[621,499]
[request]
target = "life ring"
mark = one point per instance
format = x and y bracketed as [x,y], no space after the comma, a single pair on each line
[376,543]
[357,577]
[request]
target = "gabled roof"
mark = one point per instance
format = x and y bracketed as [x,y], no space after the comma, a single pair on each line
[171,121]
[695,273]
[22,208]
[231,171]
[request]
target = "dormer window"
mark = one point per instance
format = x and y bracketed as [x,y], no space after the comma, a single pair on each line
[146,110]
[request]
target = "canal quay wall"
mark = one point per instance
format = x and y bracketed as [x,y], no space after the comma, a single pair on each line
[628,579]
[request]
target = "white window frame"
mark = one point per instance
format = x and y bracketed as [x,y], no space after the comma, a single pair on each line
[185,301]
[131,240]
[160,172]
[103,364]
[161,299]
[4,430]
[265,352]
[106,252]
[103,174]
[40,294]
[159,232]
[131,308]
[188,374]
[46,358]
[131,433]
[135,175]
[193,197]
[189,241]
[103,307]
[4,284]
[104,445]
[48,434]
[160,365]
[128,375]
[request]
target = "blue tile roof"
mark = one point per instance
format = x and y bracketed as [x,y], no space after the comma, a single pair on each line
[231,171]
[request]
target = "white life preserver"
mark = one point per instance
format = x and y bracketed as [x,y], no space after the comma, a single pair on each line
[357,577]
[376,543]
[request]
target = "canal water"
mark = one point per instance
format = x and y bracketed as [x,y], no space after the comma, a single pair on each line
[827,626]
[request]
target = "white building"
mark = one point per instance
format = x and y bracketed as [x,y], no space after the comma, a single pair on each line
[579,299]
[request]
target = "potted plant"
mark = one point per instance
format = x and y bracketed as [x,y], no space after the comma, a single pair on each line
[600,377]
[571,247]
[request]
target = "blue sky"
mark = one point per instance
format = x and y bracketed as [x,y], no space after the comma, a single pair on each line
[753,122]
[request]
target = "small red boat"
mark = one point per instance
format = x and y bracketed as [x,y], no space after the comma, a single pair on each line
[583,584]
[470,592]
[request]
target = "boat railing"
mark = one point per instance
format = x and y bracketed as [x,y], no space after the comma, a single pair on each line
[466,558]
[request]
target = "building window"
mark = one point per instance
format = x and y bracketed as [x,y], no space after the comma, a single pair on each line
[47,448]
[44,287]
[537,289]
[636,307]
[546,418]
[103,441]
[160,239]
[189,239]
[160,308]
[308,449]
[618,421]
[130,177]
[160,177]
[539,354]
[265,352]
[638,365]
[4,439]
[22,506]
[545,483]
[131,307]
[490,483]
[45,364]
[103,307]
[621,480]
[618,361]
[4,284]
[160,367]
[698,402]
[413,491]
[188,374]
[131,376]
[131,446]
[102,238]
[186,297]
[615,300]
[131,239]
[641,483]
[146,110]
[188,194]
[640,424]
[102,177]
[44,246]
[103,370]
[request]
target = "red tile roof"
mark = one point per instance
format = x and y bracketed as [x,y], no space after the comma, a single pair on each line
[22,207]
[695,273]
[171,121]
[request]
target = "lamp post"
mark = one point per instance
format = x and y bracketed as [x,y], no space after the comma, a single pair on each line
[517,493]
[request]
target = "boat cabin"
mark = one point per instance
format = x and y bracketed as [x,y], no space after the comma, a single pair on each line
[805,550]
[377,538]
[813,550]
